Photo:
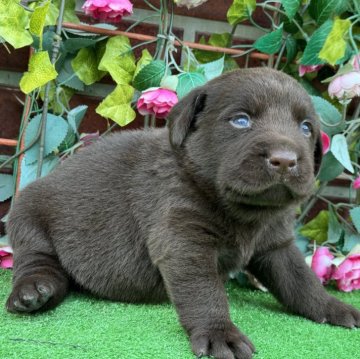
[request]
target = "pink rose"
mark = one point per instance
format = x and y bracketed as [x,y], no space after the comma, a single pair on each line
[345,86]
[347,275]
[303,69]
[325,141]
[157,101]
[355,61]
[6,260]
[108,10]
[322,264]
[356,183]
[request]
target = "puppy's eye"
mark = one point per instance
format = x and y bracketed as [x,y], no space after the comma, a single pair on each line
[241,121]
[306,128]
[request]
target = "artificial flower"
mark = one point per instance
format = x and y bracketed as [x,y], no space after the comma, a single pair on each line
[156,101]
[322,264]
[347,274]
[355,61]
[345,86]
[6,259]
[303,69]
[189,3]
[108,10]
[356,183]
[325,141]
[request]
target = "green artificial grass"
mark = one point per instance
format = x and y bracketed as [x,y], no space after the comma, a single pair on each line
[85,327]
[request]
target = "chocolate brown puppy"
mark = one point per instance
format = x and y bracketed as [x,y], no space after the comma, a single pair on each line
[172,211]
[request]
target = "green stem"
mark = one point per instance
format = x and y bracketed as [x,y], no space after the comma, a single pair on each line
[280,54]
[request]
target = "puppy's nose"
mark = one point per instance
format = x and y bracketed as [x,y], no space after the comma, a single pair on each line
[282,160]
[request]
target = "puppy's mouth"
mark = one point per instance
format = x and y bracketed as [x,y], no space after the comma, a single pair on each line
[277,195]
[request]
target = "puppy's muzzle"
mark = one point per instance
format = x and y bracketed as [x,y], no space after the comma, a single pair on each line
[282,161]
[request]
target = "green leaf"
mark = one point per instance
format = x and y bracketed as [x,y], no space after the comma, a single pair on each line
[240,10]
[56,131]
[330,168]
[85,64]
[315,44]
[291,49]
[6,186]
[218,40]
[317,228]
[13,24]
[74,44]
[150,75]
[291,7]
[68,77]
[350,241]
[322,10]
[271,42]
[339,149]
[28,171]
[38,17]
[118,60]
[335,45]
[169,82]
[69,140]
[117,105]
[355,217]
[4,241]
[144,60]
[75,116]
[188,81]
[52,15]
[335,230]
[40,72]
[329,116]
[213,69]
[289,25]
[69,14]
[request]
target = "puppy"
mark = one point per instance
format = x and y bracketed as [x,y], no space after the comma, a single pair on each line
[146,216]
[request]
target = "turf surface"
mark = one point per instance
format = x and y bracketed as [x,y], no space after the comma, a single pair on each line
[84,327]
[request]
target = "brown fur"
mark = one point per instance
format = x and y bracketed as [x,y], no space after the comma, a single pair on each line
[143,216]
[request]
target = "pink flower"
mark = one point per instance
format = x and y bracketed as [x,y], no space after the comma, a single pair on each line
[156,101]
[6,260]
[322,264]
[356,183]
[355,61]
[108,10]
[303,69]
[347,275]
[325,141]
[345,86]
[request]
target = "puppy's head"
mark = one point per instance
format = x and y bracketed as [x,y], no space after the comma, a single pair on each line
[251,137]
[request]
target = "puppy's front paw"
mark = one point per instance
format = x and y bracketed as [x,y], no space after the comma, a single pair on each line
[339,313]
[228,343]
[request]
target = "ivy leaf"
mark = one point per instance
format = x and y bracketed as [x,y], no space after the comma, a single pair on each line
[75,116]
[144,60]
[339,149]
[117,105]
[74,44]
[52,15]
[291,7]
[271,42]
[355,217]
[118,60]
[29,171]
[6,186]
[291,49]
[335,45]
[335,230]
[41,71]
[315,44]
[330,168]
[329,116]
[213,69]
[37,20]
[321,10]
[13,23]
[85,64]
[150,75]
[56,131]
[68,77]
[69,13]
[188,81]
[317,228]
[240,10]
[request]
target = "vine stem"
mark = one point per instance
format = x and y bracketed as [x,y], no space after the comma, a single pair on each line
[55,52]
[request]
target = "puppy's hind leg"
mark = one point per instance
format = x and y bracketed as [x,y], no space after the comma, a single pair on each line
[39,282]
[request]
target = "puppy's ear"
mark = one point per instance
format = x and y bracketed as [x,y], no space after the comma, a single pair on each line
[182,117]
[318,153]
